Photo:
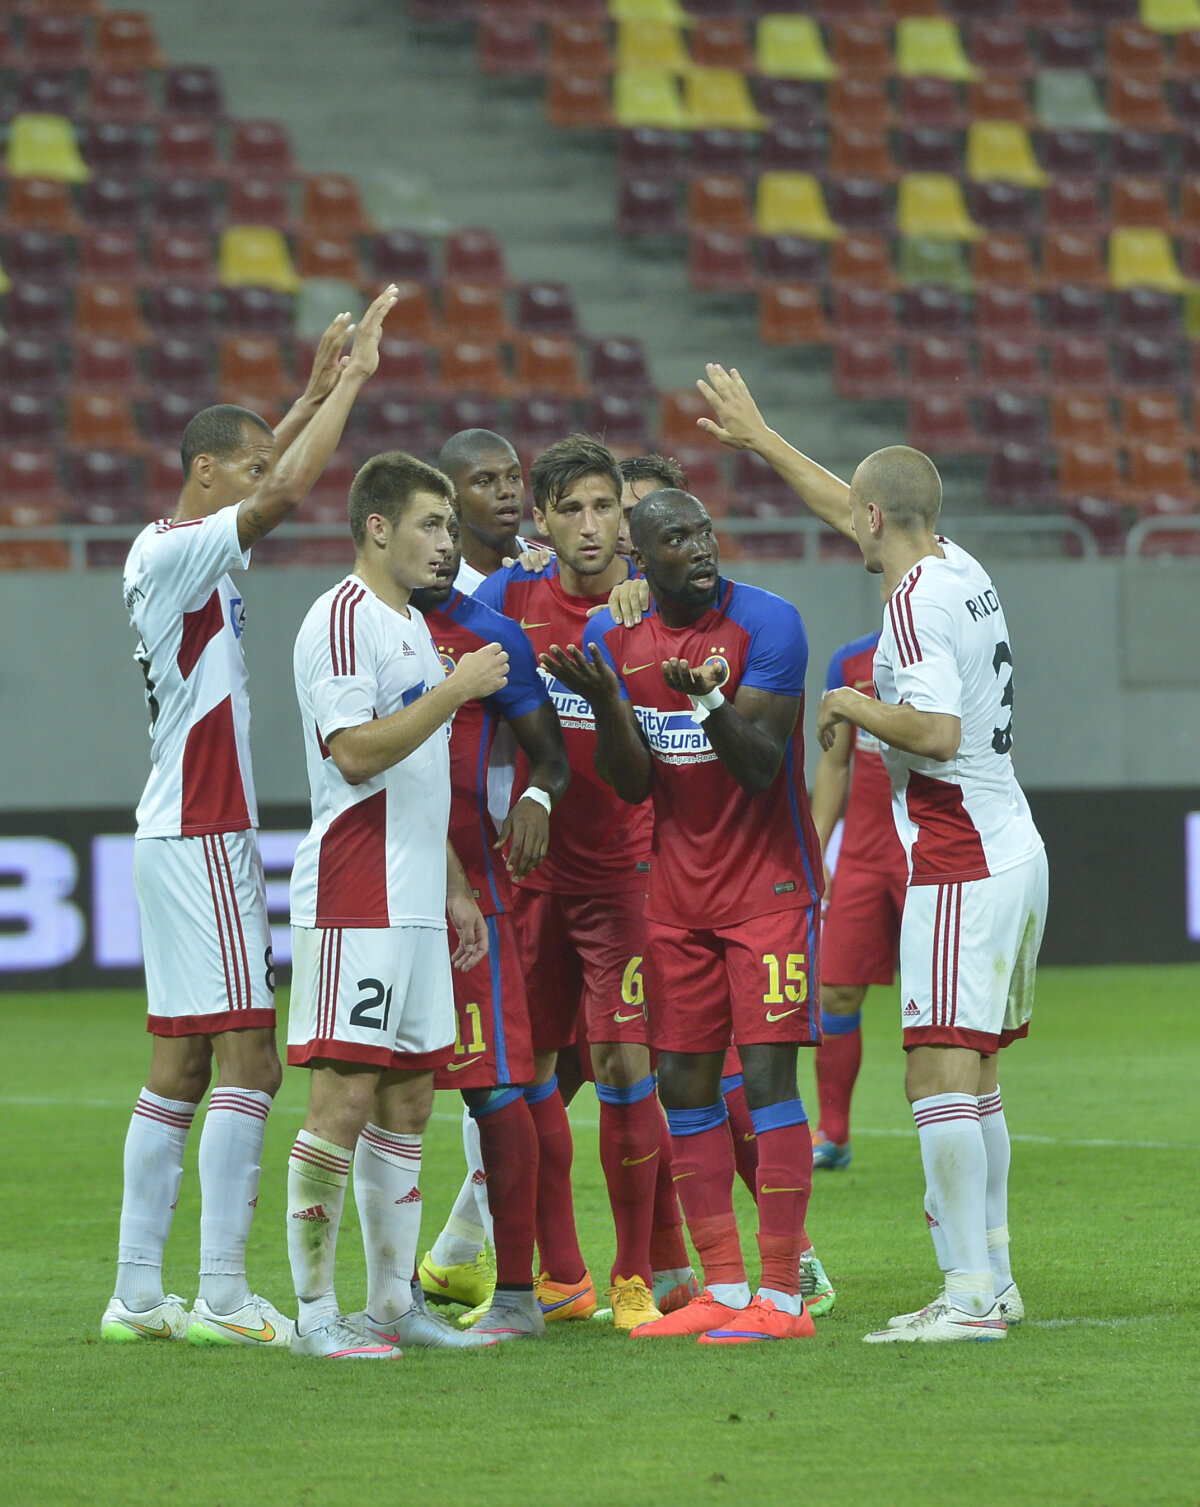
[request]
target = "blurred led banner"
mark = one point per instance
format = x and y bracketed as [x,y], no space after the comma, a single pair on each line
[1124,885]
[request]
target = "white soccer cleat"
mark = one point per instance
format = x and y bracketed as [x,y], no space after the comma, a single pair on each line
[1012,1306]
[336,1338]
[511,1316]
[942,1322]
[256,1322]
[167,1320]
[902,1320]
[422,1331]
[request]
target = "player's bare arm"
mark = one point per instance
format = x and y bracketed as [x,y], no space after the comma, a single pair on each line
[740,426]
[622,758]
[465,916]
[628,602]
[929,735]
[525,833]
[749,734]
[326,368]
[831,783]
[365,751]
[289,483]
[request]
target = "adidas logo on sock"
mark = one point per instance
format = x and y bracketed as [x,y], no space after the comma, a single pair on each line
[316,1214]
[479,1178]
[911,1008]
[413,1196]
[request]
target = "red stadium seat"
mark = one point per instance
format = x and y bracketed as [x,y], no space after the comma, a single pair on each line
[1004,208]
[646,152]
[718,261]
[179,310]
[722,43]
[996,98]
[855,100]
[105,364]
[1072,153]
[333,206]
[111,310]
[54,40]
[1010,363]
[1140,103]
[1153,416]
[677,415]
[579,46]
[861,205]
[394,423]
[865,310]
[862,259]
[403,367]
[719,153]
[1146,362]
[320,255]
[1004,261]
[1074,205]
[30,366]
[934,361]
[619,365]
[106,488]
[36,311]
[646,207]
[718,203]
[186,204]
[939,423]
[412,315]
[861,47]
[866,368]
[101,420]
[620,422]
[113,147]
[41,255]
[1006,311]
[1159,468]
[182,256]
[475,367]
[1019,476]
[474,311]
[861,152]
[1076,310]
[30,488]
[1142,202]
[1071,258]
[187,147]
[125,39]
[1148,311]
[1082,416]
[1080,361]
[475,256]
[193,91]
[931,149]
[1012,417]
[260,201]
[793,314]
[1068,45]
[39,204]
[180,366]
[578,99]
[1001,46]
[261,148]
[121,95]
[546,309]
[258,311]
[506,45]
[47,91]
[931,102]
[792,149]
[1087,470]
[550,364]
[791,259]
[401,256]
[114,203]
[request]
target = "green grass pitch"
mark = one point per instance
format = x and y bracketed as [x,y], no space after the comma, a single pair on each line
[1093,1400]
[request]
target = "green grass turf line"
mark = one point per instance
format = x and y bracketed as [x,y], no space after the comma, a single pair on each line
[1092,1401]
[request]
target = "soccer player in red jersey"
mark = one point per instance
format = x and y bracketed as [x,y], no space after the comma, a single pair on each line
[699,707]
[493,1056]
[209,976]
[975,907]
[580,916]
[860,934]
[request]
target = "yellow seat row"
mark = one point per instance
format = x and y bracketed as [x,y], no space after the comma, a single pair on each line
[710,99]
[44,146]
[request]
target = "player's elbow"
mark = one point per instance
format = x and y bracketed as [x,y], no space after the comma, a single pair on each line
[350,763]
[944,740]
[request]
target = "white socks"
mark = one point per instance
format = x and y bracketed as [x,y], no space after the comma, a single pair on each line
[230,1166]
[956,1175]
[387,1168]
[154,1146]
[317,1175]
[470,1221]
[732,1294]
[996,1144]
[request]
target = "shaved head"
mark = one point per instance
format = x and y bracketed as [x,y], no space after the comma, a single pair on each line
[462,450]
[904,485]
[654,511]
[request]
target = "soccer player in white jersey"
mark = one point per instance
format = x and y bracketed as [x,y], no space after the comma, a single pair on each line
[209,978]
[372,1006]
[976,902]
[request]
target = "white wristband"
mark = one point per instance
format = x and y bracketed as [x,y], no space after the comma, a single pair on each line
[532,793]
[703,705]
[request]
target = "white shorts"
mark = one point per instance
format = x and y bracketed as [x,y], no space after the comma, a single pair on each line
[205,938]
[968,956]
[371,994]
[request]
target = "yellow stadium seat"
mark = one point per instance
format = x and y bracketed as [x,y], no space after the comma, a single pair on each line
[1171,15]
[651,44]
[5,282]
[720,99]
[256,256]
[648,97]
[793,204]
[792,47]
[1144,259]
[930,47]
[1000,151]
[669,11]
[44,146]
[932,206]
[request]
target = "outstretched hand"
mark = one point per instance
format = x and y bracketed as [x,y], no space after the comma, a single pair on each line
[680,676]
[364,353]
[738,422]
[527,829]
[329,363]
[589,677]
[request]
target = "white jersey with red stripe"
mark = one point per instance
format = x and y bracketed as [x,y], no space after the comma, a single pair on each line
[376,852]
[189,616]
[944,648]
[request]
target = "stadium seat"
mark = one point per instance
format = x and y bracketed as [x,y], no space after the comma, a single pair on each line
[721,42]
[401,256]
[931,102]
[931,310]
[718,261]
[939,423]
[255,256]
[719,203]
[790,46]
[1076,205]
[332,205]
[855,100]
[1001,151]
[44,146]
[538,421]
[394,423]
[1071,310]
[55,40]
[1082,417]
[1000,46]
[934,361]
[475,366]
[260,202]
[1007,417]
[860,152]
[1148,311]
[1088,470]
[507,45]
[792,149]
[1004,208]
[474,311]
[791,102]
[545,308]
[467,411]
[474,256]
[183,311]
[931,47]
[646,207]
[930,149]
[180,366]
[1068,46]
[39,204]
[322,256]
[1066,99]
[30,366]
[724,153]
[113,202]
[578,45]
[940,263]
[860,47]
[1134,49]
[793,204]
[1158,469]
[1141,203]
[100,420]
[931,205]
[862,259]
[1080,361]
[1141,154]
[866,368]
[720,98]
[792,314]
[999,99]
[649,153]
[115,147]
[677,415]
[791,259]
[185,204]
[1071,152]
[579,100]
[165,415]
[649,97]
[1153,416]
[192,90]
[104,363]
[258,311]
[1144,361]
[1139,103]
[38,254]
[1143,259]
[1018,476]
[1011,363]
[182,256]
[651,44]
[125,39]
[859,309]
[861,204]
[1071,258]
[188,147]
[30,487]
[36,310]
[252,365]
[260,148]
[619,365]
[106,488]
[620,422]
[109,309]
[123,94]
[27,419]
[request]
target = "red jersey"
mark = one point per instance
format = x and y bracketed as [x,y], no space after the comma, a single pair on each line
[868,832]
[599,845]
[460,627]
[721,855]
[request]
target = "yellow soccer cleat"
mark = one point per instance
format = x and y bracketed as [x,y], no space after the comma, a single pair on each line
[632,1304]
[471,1282]
[566,1300]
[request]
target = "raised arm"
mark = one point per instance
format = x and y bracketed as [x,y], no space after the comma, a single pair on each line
[294,474]
[326,368]
[366,750]
[749,734]
[622,758]
[740,426]
[527,825]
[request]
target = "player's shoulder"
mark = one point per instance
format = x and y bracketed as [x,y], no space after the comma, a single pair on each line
[947,582]
[755,609]
[484,621]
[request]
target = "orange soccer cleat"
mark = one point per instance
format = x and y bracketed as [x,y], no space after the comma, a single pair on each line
[762,1321]
[697,1317]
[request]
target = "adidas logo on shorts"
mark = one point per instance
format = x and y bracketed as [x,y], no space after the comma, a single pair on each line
[911,1008]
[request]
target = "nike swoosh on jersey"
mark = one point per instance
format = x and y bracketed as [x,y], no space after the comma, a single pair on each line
[636,1161]
[783,1015]
[527,626]
[622,1020]
[633,669]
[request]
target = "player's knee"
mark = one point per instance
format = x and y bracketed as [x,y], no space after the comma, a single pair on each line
[689,1080]
[620,1064]
[841,999]
[769,1073]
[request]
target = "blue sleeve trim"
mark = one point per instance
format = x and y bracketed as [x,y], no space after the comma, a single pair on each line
[778,1116]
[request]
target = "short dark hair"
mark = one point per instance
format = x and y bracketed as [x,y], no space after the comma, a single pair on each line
[654,506]
[664,469]
[557,469]
[219,431]
[461,450]
[387,485]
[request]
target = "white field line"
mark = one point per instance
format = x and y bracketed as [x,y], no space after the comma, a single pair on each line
[288,1106]
[1140,1318]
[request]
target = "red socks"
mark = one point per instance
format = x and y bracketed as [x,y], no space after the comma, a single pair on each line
[508,1144]
[702,1154]
[630,1135]
[558,1244]
[838,1060]
[668,1252]
[784,1186]
[741,1128]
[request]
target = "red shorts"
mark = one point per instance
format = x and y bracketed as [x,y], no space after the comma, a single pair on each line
[757,981]
[860,933]
[582,954]
[492,1043]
